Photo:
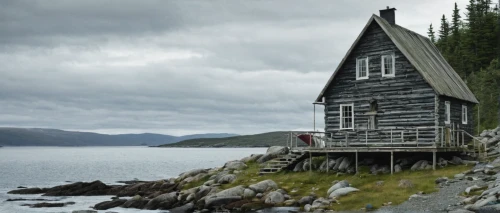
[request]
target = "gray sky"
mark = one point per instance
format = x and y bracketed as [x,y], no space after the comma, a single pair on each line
[180,67]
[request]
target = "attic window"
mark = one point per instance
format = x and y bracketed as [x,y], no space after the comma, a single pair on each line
[362,68]
[388,66]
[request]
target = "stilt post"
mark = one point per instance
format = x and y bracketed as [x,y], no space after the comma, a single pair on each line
[327,163]
[434,160]
[310,162]
[356,162]
[392,162]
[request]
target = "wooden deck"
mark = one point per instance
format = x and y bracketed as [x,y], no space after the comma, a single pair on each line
[376,149]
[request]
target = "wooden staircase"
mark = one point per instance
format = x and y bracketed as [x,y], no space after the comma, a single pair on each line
[281,162]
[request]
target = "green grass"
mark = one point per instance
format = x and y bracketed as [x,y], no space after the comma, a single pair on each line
[299,184]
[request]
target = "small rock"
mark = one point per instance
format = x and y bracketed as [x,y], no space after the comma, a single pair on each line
[306,200]
[307,207]
[441,180]
[274,197]
[459,176]
[405,184]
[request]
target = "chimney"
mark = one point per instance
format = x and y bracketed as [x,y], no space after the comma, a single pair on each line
[389,15]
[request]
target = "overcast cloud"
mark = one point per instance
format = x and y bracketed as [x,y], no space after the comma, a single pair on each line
[180,67]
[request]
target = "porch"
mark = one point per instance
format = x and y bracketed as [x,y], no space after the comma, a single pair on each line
[390,141]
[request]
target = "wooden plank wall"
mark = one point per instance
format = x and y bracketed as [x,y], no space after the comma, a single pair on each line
[456,113]
[404,101]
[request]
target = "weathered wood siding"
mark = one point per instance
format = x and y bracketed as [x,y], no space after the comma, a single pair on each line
[456,113]
[405,101]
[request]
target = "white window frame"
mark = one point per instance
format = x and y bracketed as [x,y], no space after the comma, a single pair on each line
[447,112]
[464,114]
[393,65]
[358,61]
[341,122]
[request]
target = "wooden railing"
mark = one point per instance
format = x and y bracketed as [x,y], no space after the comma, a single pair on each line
[415,137]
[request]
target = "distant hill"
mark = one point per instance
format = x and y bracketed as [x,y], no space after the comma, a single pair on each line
[55,137]
[258,140]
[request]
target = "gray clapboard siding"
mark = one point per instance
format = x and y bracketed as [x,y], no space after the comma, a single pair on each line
[405,101]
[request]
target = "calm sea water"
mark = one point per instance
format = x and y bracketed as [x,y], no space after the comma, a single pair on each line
[51,166]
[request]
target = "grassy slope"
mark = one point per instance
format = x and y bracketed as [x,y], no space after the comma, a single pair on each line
[258,140]
[306,183]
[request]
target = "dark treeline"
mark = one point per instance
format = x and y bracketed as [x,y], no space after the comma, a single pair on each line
[470,41]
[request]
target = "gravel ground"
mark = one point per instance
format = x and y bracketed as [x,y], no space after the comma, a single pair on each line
[448,196]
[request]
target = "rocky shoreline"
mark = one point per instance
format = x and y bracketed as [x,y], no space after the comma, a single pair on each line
[209,190]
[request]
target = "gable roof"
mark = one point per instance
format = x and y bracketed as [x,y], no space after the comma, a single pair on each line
[423,55]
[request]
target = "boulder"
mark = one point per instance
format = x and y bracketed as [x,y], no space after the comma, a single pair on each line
[109,204]
[251,158]
[306,200]
[470,200]
[273,152]
[340,184]
[277,149]
[274,197]
[190,173]
[164,201]
[346,162]
[307,207]
[307,163]
[291,202]
[248,194]
[263,186]
[456,160]
[320,203]
[322,167]
[202,192]
[470,189]
[442,162]
[136,202]
[424,165]
[490,209]
[342,192]
[235,165]
[28,191]
[218,201]
[441,180]
[481,203]
[459,176]
[374,169]
[228,178]
[84,211]
[405,184]
[337,163]
[331,164]
[231,192]
[397,168]
[299,166]
[417,165]
[188,207]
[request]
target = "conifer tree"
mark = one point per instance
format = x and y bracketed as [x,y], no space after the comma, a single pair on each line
[431,34]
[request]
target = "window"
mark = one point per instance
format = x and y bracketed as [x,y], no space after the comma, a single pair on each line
[347,116]
[362,68]
[447,112]
[388,66]
[464,114]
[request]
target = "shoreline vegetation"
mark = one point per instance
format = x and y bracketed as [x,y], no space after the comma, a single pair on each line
[459,184]
[237,186]
[267,139]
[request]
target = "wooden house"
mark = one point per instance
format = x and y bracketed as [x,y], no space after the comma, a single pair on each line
[394,81]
